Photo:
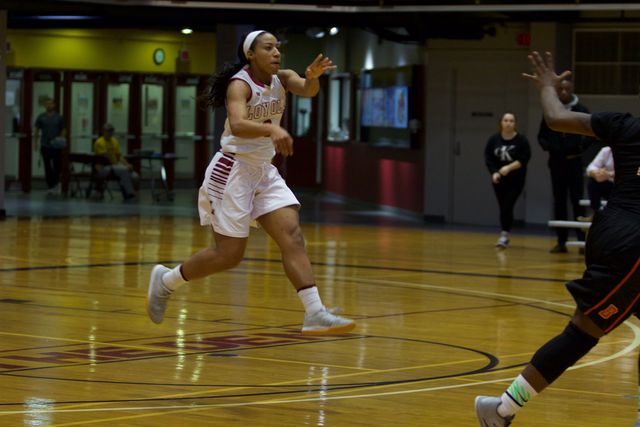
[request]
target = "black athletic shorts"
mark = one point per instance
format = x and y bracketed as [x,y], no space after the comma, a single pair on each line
[609,290]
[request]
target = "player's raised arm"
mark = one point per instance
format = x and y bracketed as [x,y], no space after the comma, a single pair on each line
[309,85]
[557,117]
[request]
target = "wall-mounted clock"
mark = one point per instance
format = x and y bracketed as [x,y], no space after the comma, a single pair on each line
[158,56]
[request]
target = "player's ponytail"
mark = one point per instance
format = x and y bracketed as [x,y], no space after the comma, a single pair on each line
[216,93]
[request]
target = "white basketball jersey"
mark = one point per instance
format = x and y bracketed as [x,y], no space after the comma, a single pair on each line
[265,105]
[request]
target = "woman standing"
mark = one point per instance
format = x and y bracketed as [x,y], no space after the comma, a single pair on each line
[506,156]
[242,186]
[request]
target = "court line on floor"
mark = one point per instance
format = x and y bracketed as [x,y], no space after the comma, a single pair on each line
[175,409]
[347,279]
[188,408]
[279,261]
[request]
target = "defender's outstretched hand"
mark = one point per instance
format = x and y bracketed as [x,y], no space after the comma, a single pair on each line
[318,67]
[544,73]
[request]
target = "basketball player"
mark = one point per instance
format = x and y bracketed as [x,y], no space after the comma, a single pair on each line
[241,185]
[608,291]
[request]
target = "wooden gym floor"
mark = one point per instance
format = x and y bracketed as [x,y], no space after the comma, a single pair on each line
[442,317]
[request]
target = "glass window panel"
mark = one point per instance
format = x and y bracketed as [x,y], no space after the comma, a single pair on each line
[118,112]
[345,109]
[340,108]
[630,79]
[597,46]
[302,115]
[12,127]
[607,62]
[185,110]
[597,79]
[334,110]
[185,130]
[81,119]
[630,46]
[358,106]
[152,115]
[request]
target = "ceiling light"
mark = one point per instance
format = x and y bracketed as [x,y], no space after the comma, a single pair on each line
[315,32]
[186,31]
[333,31]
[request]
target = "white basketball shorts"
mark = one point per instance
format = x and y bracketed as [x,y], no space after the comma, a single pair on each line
[235,192]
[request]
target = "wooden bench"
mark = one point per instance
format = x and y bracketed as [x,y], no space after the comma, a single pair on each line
[582,225]
[587,203]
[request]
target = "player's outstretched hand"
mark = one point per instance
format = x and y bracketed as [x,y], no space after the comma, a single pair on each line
[319,66]
[543,70]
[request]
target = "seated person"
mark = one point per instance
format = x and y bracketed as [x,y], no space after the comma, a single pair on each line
[107,145]
[600,173]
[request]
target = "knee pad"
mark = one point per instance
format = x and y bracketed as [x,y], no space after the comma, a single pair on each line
[553,358]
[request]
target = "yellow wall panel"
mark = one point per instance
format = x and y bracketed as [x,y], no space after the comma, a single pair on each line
[109,50]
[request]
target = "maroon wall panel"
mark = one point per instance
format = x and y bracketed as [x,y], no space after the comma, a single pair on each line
[375,175]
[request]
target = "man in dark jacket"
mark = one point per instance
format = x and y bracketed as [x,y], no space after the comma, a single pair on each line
[565,163]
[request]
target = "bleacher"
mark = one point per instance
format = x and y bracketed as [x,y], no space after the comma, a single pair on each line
[584,225]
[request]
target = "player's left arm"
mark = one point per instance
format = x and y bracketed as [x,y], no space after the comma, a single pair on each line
[556,115]
[309,85]
[560,119]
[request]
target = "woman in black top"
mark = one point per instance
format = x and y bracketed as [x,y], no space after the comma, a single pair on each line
[506,155]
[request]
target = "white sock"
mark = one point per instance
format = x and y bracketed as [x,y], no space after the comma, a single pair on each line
[173,279]
[514,398]
[311,300]
[504,234]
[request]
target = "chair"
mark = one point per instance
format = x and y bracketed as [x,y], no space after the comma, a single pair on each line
[84,167]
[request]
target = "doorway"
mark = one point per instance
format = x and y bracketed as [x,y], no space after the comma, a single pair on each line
[483,91]
[13,135]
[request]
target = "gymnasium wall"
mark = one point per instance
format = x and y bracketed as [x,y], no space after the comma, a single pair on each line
[470,84]
[357,170]
[298,50]
[109,50]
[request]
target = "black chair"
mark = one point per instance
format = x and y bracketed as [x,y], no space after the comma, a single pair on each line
[85,167]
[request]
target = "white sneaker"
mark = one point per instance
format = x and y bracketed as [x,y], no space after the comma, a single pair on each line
[157,295]
[503,242]
[56,190]
[487,412]
[325,322]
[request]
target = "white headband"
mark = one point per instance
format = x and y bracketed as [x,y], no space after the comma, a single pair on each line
[248,41]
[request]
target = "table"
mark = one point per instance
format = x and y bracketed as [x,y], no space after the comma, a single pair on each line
[147,160]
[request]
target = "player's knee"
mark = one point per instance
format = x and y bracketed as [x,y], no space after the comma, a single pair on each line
[234,257]
[294,238]
[232,260]
[297,237]
[227,257]
[562,352]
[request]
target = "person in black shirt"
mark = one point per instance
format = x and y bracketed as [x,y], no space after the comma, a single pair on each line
[50,133]
[607,294]
[506,155]
[565,165]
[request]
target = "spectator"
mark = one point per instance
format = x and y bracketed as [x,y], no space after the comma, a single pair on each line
[107,145]
[565,164]
[50,139]
[600,182]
